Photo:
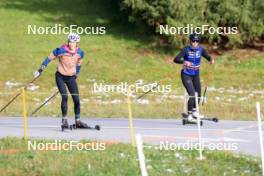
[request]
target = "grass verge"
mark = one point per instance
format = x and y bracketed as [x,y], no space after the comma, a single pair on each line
[119,159]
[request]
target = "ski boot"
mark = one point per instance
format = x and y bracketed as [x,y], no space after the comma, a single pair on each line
[190,119]
[80,124]
[195,116]
[64,124]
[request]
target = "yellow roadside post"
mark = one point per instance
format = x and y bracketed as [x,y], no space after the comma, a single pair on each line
[132,133]
[24,113]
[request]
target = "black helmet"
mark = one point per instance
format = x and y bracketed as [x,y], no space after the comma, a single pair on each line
[194,37]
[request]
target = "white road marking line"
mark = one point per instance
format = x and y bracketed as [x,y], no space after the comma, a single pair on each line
[239,129]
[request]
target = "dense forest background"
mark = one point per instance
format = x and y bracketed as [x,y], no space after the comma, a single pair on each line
[246,15]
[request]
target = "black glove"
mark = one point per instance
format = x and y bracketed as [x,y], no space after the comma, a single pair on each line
[39,71]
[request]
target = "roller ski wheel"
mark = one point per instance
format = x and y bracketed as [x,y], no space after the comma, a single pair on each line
[184,121]
[215,119]
[64,127]
[97,127]
[73,126]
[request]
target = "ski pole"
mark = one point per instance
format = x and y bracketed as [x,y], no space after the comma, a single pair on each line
[145,93]
[205,89]
[45,102]
[206,83]
[158,84]
[17,95]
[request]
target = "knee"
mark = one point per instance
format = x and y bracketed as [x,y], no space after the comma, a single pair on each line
[64,98]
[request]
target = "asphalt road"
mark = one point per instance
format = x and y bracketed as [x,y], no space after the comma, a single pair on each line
[237,136]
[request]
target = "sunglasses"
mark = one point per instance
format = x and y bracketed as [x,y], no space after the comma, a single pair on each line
[197,41]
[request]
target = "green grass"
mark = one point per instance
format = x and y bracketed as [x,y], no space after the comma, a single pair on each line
[120,159]
[157,106]
[126,53]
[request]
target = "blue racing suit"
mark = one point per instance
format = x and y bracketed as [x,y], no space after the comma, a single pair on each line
[192,55]
[190,74]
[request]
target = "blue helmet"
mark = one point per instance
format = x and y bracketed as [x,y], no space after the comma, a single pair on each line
[195,37]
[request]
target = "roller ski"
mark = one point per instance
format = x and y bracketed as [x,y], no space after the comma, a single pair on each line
[213,119]
[193,119]
[82,125]
[190,119]
[78,124]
